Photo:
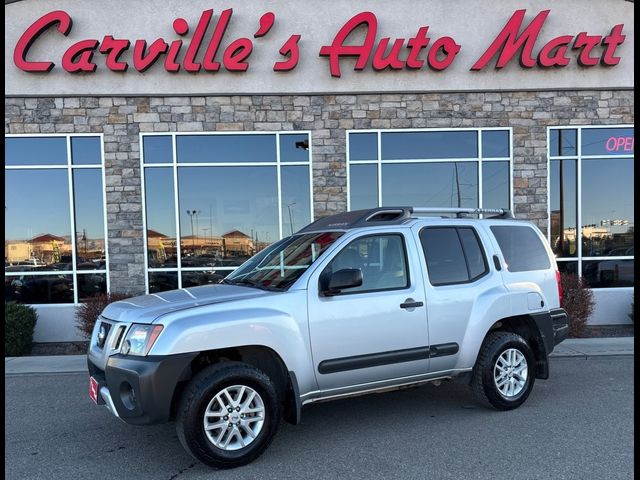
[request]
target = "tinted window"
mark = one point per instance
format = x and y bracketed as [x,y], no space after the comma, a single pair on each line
[363,186]
[495,185]
[35,151]
[445,258]
[495,143]
[607,141]
[563,142]
[363,146]
[522,248]
[381,259]
[608,273]
[564,213]
[446,184]
[473,252]
[296,204]
[294,148]
[157,149]
[429,145]
[85,151]
[226,148]
[453,255]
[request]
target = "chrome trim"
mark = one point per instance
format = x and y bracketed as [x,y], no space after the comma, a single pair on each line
[106,396]
[379,386]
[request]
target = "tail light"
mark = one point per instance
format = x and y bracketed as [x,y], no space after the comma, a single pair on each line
[559,286]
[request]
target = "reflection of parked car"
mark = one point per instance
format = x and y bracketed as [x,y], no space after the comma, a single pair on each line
[39,289]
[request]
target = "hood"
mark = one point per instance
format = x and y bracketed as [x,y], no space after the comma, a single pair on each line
[147,308]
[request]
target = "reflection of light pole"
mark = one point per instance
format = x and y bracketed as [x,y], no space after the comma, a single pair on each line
[191,214]
[84,237]
[290,217]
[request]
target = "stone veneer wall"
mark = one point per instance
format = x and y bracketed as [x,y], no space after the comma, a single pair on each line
[121,119]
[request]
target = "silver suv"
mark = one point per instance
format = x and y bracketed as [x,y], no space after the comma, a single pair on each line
[354,303]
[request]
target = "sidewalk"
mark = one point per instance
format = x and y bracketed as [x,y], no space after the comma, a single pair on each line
[573,347]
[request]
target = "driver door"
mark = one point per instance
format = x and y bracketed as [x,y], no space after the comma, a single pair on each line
[378,330]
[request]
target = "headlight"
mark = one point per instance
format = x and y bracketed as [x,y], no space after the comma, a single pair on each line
[140,339]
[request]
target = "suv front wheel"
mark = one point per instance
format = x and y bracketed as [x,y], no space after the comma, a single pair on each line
[504,372]
[228,415]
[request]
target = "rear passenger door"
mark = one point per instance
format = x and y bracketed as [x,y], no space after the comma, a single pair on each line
[457,273]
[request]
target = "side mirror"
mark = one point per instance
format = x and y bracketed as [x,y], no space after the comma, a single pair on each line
[340,280]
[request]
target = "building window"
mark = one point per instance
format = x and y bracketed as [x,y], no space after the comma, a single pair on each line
[591,186]
[55,232]
[467,168]
[213,200]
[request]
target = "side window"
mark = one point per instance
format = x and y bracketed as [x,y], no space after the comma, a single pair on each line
[453,255]
[381,258]
[521,247]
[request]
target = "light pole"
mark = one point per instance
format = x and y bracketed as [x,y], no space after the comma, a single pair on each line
[290,217]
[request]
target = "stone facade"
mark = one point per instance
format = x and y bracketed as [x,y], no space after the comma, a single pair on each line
[121,119]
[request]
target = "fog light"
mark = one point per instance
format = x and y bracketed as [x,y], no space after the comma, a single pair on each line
[127,395]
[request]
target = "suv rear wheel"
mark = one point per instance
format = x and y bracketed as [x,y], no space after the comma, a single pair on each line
[228,415]
[504,372]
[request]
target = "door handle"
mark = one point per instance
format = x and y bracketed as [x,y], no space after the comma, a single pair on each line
[411,303]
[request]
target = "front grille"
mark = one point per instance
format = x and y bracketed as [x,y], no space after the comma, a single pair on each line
[118,337]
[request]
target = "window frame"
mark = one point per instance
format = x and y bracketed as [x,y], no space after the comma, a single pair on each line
[69,167]
[478,160]
[487,268]
[369,235]
[579,258]
[174,165]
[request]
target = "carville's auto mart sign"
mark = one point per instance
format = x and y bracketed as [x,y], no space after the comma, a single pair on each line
[334,46]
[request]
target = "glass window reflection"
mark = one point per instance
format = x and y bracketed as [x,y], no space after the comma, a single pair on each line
[495,143]
[90,285]
[607,207]
[607,141]
[563,196]
[447,184]
[363,146]
[296,204]
[563,143]
[89,219]
[37,223]
[294,148]
[39,289]
[226,213]
[225,148]
[363,186]
[495,185]
[608,273]
[157,149]
[429,145]
[207,277]
[35,151]
[162,281]
[161,217]
[86,151]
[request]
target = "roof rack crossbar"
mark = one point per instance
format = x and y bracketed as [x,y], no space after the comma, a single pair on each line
[498,212]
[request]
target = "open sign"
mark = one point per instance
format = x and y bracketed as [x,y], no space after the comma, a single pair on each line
[619,144]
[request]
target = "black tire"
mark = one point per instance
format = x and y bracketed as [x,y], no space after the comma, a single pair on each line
[483,384]
[201,390]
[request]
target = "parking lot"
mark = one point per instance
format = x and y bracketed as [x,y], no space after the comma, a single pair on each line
[578,424]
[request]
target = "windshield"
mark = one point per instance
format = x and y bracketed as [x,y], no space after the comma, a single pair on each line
[280,265]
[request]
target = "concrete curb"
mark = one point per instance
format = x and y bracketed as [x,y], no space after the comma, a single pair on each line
[570,348]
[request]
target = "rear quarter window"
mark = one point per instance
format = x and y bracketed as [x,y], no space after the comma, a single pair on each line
[521,247]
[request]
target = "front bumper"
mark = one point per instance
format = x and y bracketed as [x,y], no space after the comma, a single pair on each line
[139,390]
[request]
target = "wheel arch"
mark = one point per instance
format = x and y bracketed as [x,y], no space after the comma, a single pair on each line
[259,356]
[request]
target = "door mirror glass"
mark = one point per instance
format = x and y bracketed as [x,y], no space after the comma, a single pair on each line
[342,279]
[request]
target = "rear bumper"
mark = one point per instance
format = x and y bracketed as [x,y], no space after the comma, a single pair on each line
[139,390]
[560,325]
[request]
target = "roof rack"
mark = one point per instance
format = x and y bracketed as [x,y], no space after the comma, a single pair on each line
[393,216]
[461,212]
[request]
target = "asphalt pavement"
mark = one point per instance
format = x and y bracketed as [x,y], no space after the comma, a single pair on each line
[576,425]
